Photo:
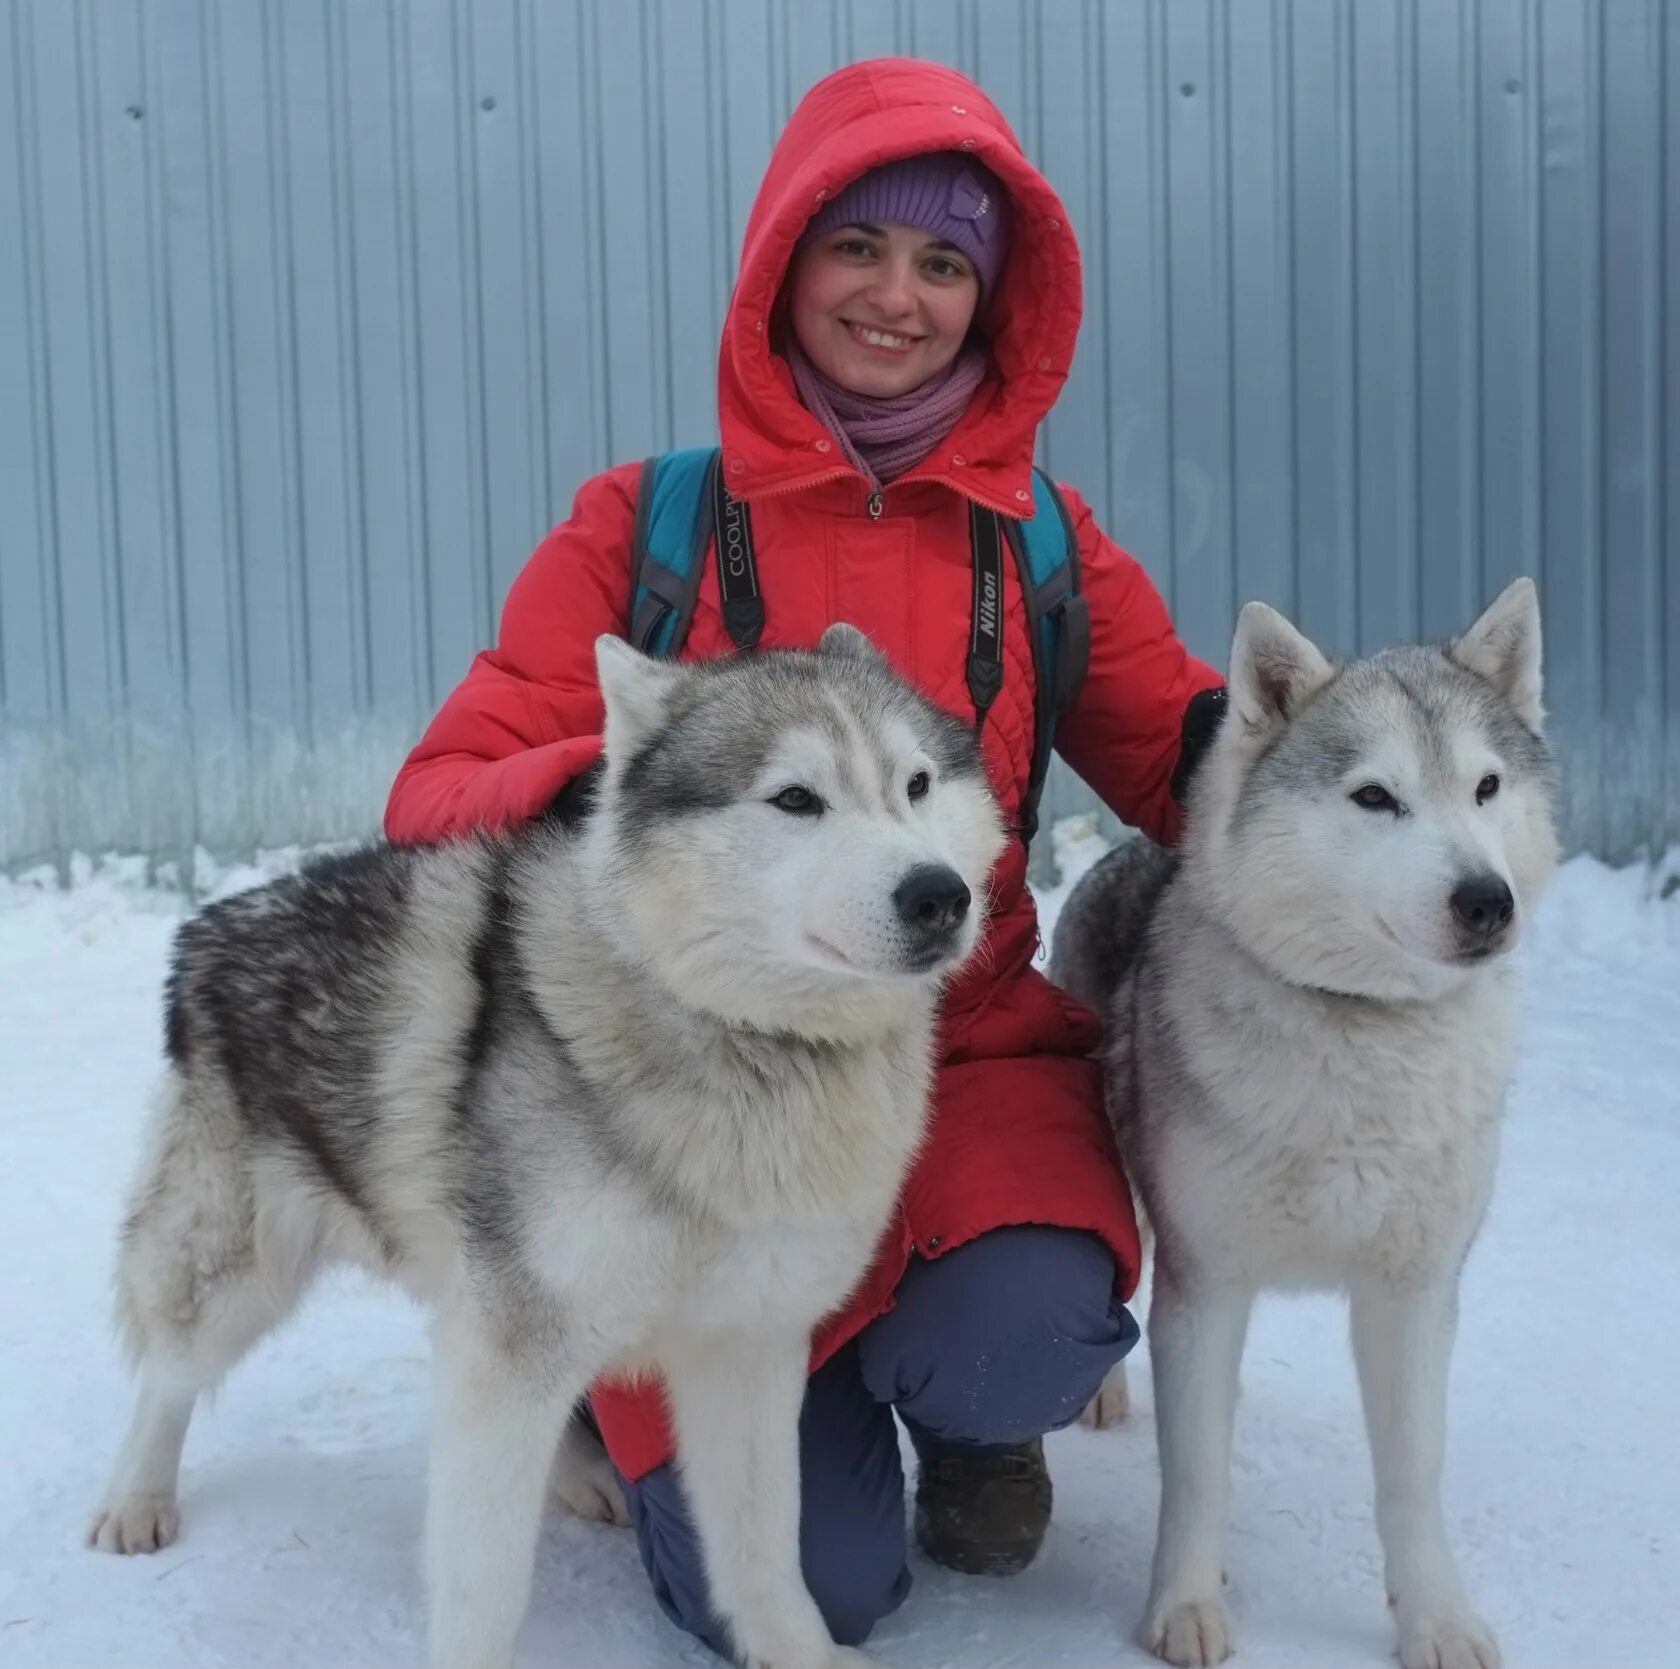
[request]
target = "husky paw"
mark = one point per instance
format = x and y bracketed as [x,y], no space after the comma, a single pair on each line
[1193,1633]
[1111,1404]
[588,1487]
[140,1524]
[1448,1639]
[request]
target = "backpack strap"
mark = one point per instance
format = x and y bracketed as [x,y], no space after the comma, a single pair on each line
[1058,619]
[985,634]
[674,511]
[737,566]
[680,503]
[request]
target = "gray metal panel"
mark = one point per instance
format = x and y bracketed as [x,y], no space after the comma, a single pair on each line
[1571,564]
[314,315]
[1127,310]
[1259,311]
[572,302]
[1383,545]
[1669,556]
[1631,539]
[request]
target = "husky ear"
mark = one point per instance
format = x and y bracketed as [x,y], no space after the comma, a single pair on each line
[1504,648]
[1273,669]
[848,641]
[634,687]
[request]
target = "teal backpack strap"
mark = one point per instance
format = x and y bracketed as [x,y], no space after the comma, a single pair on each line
[1058,618]
[680,504]
[674,519]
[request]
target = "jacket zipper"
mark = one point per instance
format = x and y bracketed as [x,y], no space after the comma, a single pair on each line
[875,506]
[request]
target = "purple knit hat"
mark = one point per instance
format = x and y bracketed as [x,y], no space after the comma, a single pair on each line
[945,193]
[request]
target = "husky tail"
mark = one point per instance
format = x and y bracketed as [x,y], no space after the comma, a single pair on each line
[1099,938]
[1101,930]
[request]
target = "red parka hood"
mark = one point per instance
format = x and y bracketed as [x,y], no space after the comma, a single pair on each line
[852,120]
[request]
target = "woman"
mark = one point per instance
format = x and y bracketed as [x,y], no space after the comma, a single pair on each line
[904,318]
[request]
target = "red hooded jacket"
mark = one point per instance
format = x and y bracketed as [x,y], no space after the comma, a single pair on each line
[1018,1133]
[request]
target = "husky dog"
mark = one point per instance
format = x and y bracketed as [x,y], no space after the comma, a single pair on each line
[1311,1019]
[632,1089]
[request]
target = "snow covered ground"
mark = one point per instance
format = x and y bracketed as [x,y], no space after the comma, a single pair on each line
[302,1488]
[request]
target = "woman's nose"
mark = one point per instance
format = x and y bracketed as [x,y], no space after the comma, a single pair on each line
[893,293]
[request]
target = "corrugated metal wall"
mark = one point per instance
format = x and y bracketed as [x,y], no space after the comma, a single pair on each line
[313,313]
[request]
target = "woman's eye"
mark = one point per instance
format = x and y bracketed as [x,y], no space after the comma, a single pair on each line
[1486,789]
[854,246]
[801,802]
[1374,797]
[918,786]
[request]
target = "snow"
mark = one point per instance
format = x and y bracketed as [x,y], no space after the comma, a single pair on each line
[302,1488]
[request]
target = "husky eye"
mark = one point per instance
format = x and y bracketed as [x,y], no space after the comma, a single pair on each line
[800,801]
[918,786]
[1374,797]
[1486,789]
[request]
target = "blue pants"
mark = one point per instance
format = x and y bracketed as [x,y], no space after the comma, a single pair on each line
[993,1344]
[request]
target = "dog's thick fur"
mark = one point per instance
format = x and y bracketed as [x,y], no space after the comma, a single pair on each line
[1310,1028]
[634,1088]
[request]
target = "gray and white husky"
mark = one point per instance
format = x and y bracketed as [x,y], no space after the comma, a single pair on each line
[1311,1020]
[631,1089]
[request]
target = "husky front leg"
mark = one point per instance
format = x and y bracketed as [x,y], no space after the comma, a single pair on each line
[736,1400]
[497,1418]
[139,1513]
[1402,1340]
[1195,1345]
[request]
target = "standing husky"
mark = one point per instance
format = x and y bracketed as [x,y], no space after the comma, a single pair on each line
[1311,1022]
[631,1093]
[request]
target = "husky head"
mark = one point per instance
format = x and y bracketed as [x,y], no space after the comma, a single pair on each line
[1380,828]
[792,839]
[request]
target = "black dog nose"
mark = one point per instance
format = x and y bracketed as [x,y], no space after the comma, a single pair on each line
[932,899]
[1483,904]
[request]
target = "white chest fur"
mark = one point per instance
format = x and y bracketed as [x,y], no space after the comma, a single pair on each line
[1322,1136]
[778,1276]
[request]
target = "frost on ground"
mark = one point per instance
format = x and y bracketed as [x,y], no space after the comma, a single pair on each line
[302,1487]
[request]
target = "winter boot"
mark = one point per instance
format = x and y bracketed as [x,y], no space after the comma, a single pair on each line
[983,1511]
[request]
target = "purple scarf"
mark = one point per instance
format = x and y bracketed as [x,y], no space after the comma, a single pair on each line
[884,438]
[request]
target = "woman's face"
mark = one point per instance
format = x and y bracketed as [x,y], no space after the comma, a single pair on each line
[880,309]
